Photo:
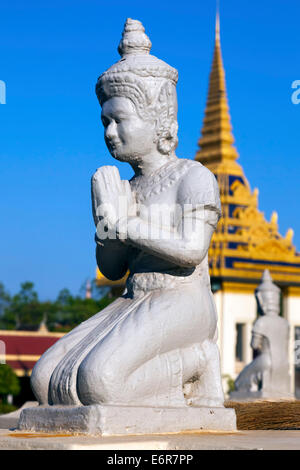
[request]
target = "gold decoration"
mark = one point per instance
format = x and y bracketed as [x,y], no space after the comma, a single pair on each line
[101,280]
[243,232]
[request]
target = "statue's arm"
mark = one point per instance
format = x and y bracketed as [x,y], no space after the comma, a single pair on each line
[186,249]
[187,244]
[107,188]
[256,341]
[111,256]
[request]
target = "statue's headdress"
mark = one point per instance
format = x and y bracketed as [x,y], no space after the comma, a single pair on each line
[148,81]
[268,294]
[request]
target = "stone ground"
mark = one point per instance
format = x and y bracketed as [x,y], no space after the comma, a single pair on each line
[239,440]
[11,439]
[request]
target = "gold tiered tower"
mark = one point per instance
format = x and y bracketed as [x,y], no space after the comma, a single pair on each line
[245,243]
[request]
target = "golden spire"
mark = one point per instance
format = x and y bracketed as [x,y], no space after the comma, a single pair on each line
[244,243]
[217,29]
[216,143]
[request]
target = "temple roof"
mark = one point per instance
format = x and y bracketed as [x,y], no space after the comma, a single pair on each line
[22,349]
[245,243]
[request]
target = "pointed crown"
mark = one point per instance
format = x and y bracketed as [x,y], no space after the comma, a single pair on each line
[266,283]
[268,295]
[137,72]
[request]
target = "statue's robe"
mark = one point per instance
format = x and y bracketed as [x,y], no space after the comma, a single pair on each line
[276,331]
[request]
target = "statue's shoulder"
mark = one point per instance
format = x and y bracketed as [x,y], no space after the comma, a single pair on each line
[198,185]
[260,322]
[264,324]
[282,323]
[196,173]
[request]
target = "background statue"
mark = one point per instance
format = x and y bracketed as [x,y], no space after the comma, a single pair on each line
[156,344]
[267,376]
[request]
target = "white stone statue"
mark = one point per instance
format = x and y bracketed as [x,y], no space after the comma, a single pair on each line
[154,346]
[267,376]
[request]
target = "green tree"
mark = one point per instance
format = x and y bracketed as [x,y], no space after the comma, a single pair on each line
[24,311]
[4,299]
[69,311]
[26,308]
[64,297]
[27,294]
[9,383]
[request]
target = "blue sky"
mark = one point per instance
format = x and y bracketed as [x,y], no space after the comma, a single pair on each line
[51,139]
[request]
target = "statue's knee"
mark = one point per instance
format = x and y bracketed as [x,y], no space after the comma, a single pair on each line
[39,382]
[97,383]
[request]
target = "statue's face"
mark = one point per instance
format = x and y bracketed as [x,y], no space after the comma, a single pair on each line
[269,302]
[127,136]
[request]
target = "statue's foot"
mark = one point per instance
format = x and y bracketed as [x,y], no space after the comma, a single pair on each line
[206,389]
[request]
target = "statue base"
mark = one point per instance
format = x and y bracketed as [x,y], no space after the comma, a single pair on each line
[245,395]
[108,420]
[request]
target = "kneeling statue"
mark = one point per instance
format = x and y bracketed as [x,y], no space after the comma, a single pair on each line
[267,376]
[155,346]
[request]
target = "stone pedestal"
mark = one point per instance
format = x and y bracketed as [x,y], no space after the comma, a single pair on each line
[125,420]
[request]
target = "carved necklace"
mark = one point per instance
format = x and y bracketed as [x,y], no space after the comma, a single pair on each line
[161,179]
